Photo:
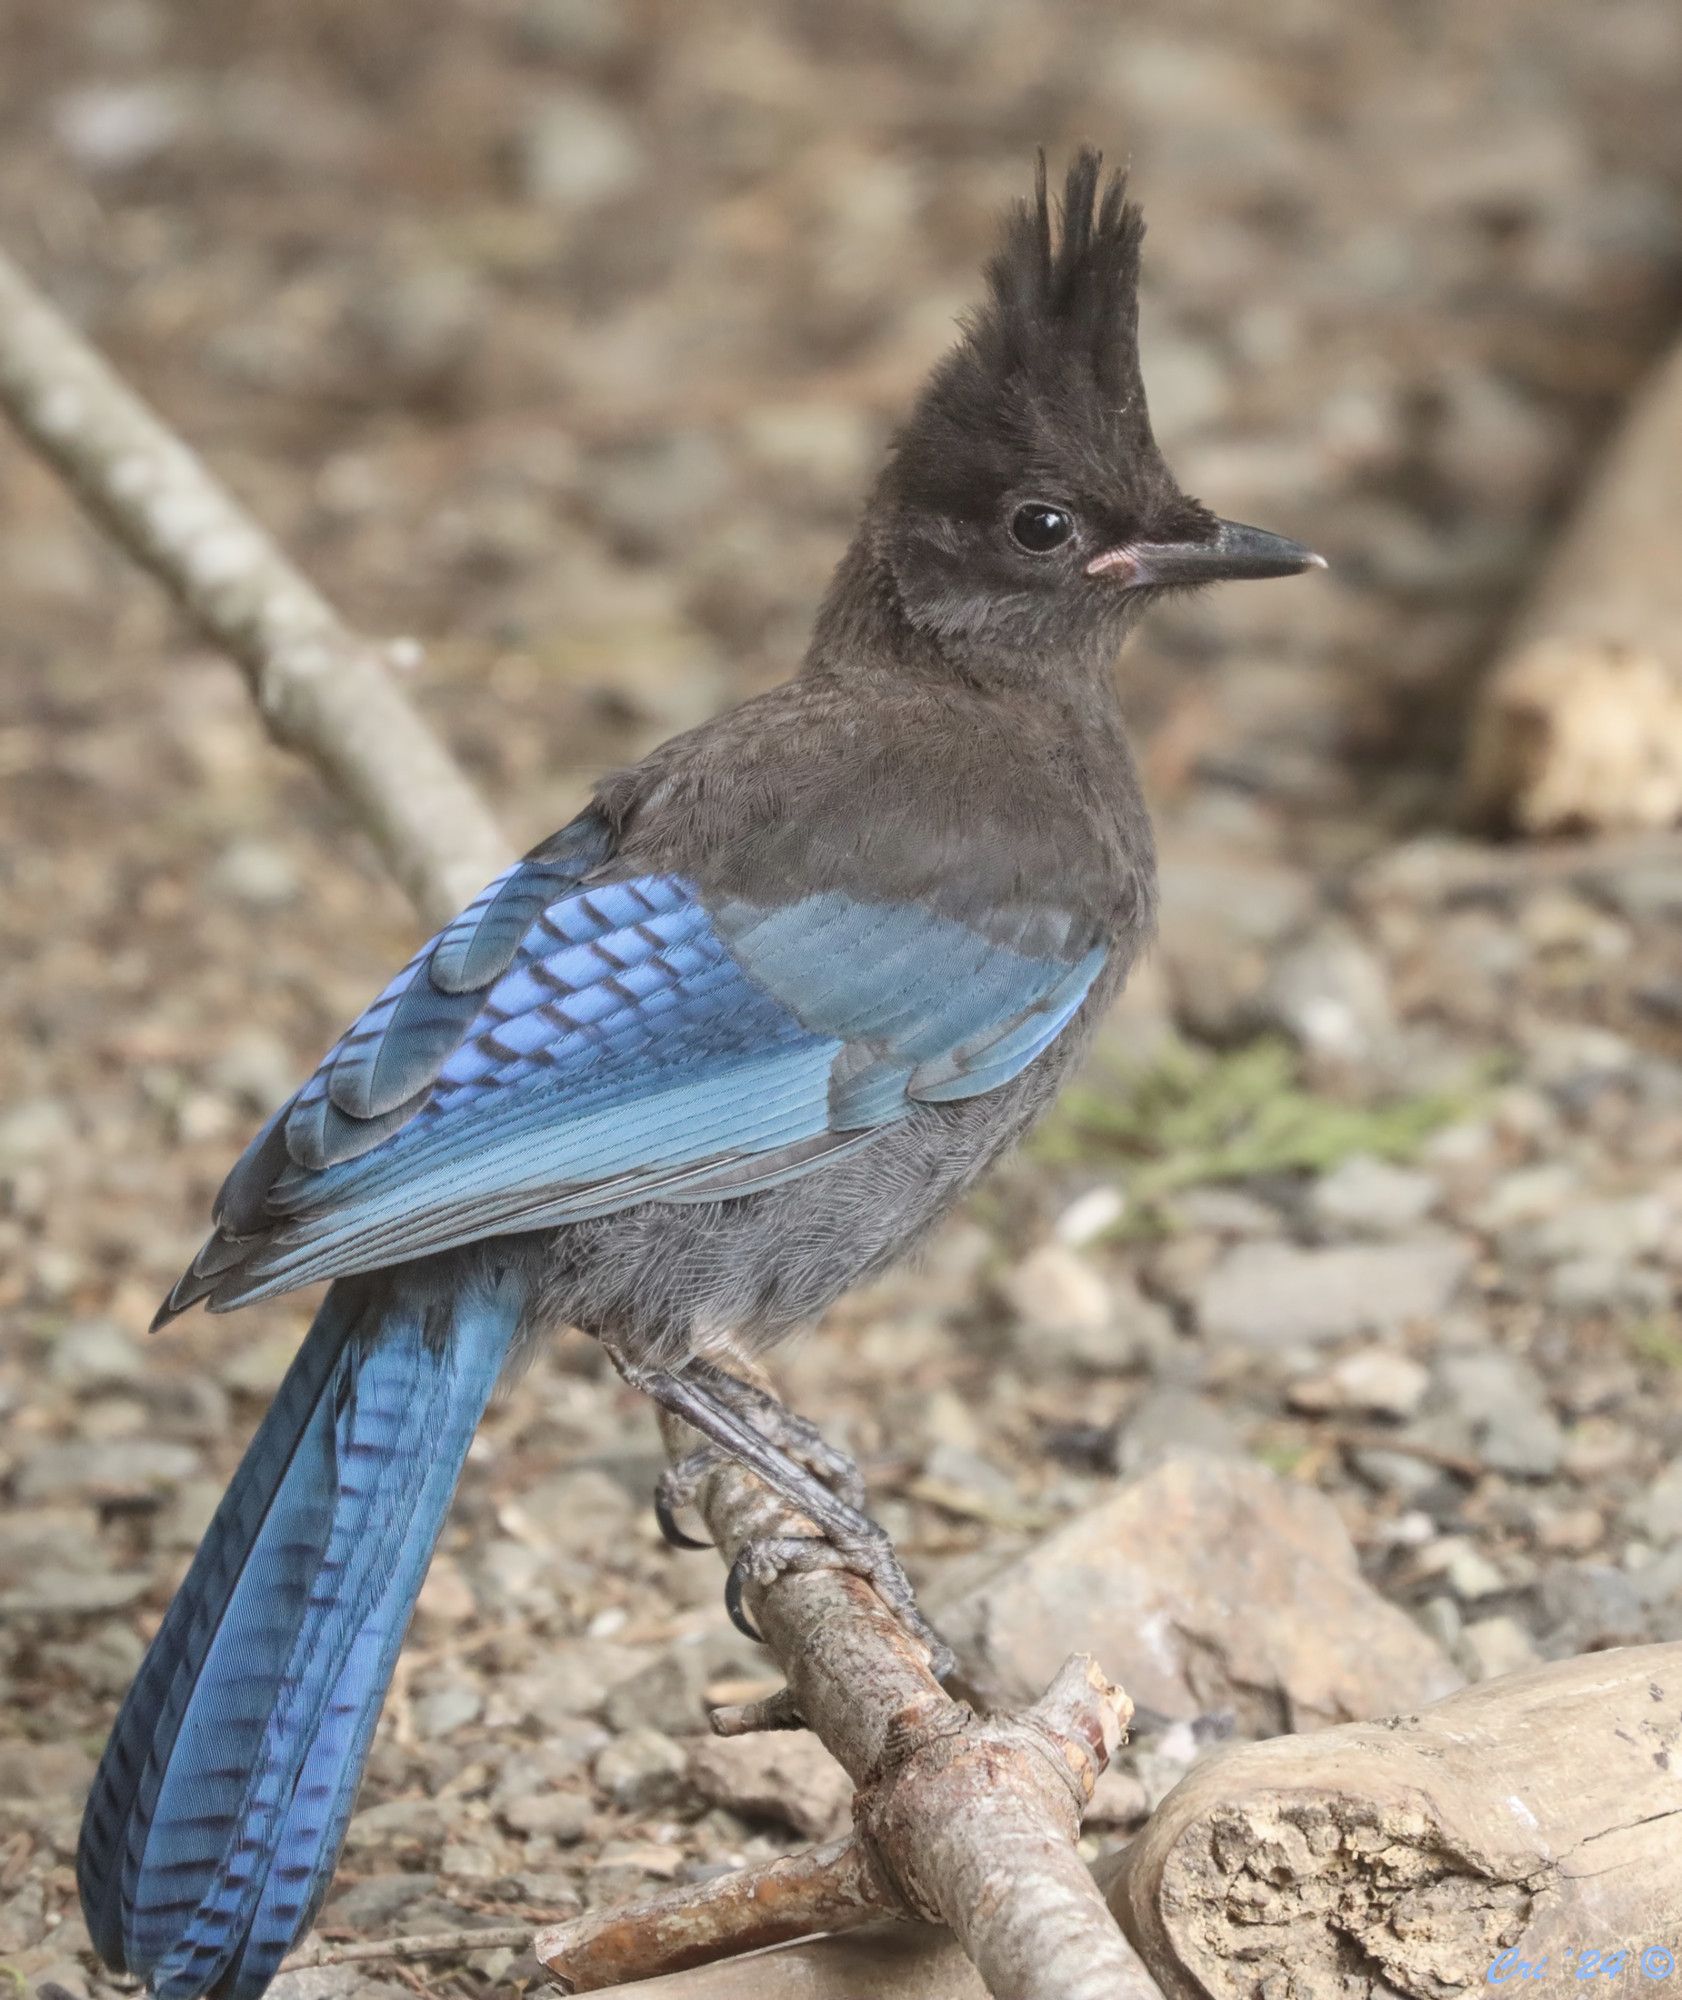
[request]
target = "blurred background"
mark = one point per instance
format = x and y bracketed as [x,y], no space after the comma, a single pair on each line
[563,337]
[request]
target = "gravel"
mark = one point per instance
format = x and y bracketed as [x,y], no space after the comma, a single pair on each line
[566,341]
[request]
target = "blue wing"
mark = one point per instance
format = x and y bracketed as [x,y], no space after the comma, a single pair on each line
[573,1044]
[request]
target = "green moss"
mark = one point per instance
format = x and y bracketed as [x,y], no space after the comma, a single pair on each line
[1197,1116]
[1656,1340]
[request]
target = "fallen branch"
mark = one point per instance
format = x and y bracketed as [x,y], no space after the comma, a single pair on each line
[1539,1814]
[322,691]
[958,1819]
[424,1944]
[1580,724]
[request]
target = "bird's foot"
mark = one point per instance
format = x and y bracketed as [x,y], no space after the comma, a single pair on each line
[794,1436]
[867,1553]
[744,1424]
[677,1487]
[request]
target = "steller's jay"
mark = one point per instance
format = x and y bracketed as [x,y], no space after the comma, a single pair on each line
[724,1045]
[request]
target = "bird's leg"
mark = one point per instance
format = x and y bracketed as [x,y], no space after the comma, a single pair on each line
[847,1538]
[793,1435]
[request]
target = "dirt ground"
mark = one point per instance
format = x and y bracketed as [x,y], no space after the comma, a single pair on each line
[563,338]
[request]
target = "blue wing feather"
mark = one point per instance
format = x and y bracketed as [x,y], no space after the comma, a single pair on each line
[571,1045]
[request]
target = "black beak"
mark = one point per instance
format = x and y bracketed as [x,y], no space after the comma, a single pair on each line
[1235,552]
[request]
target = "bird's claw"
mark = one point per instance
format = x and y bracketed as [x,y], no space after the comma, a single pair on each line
[870,1556]
[676,1487]
[795,1437]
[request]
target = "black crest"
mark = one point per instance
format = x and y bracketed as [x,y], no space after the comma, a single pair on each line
[1043,394]
[1065,302]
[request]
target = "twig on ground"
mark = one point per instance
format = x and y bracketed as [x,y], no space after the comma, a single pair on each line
[424,1944]
[323,691]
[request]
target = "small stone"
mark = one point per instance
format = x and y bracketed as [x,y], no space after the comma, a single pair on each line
[43,1772]
[1616,1231]
[578,30]
[1596,1447]
[558,1816]
[577,152]
[371,1904]
[470,1861]
[258,874]
[1054,1290]
[1658,1513]
[651,495]
[398,1823]
[672,1687]
[257,1070]
[119,1469]
[1224,1211]
[446,1602]
[1374,1379]
[1220,916]
[571,1679]
[95,1353]
[1119,1799]
[34,1130]
[641,1769]
[443,1710]
[1277,1294]
[1440,1618]
[336,1982]
[1526,1195]
[1659,1586]
[1588,1606]
[114,127]
[1168,1419]
[785,1777]
[1606,1284]
[630,1860]
[831,446]
[554,1764]
[1373,1197]
[1574,1531]
[1329,994]
[58,1593]
[1493,1646]
[1090,1215]
[1465,1569]
[1500,1400]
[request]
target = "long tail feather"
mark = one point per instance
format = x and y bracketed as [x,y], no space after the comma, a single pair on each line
[222,1799]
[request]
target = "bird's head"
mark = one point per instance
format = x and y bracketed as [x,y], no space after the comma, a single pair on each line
[1026,504]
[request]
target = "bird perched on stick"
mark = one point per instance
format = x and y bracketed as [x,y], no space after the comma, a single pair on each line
[726,1044]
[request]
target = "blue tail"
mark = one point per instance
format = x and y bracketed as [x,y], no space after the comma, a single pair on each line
[221,1802]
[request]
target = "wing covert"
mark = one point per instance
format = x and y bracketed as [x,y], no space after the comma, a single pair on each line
[575,1042]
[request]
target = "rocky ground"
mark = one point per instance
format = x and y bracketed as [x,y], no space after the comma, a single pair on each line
[563,337]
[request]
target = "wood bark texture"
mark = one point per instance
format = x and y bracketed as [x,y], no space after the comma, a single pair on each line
[1541,1812]
[959,1819]
[1579,726]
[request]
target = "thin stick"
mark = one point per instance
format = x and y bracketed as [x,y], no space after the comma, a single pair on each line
[323,691]
[424,1944]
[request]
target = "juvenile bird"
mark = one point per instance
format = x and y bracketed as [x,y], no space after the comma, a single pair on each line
[724,1045]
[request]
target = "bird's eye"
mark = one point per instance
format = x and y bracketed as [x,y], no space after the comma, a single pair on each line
[1040,528]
